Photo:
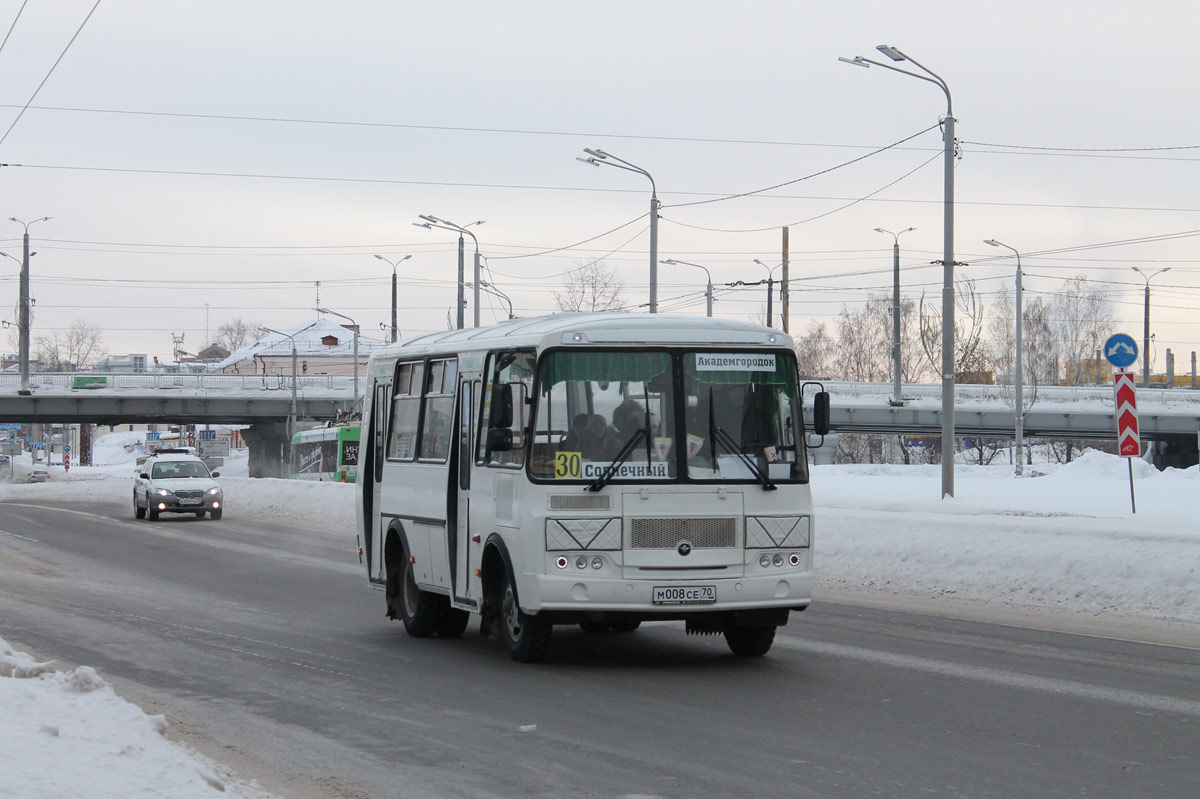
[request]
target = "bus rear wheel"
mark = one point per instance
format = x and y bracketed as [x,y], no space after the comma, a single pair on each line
[747,641]
[419,610]
[453,623]
[525,637]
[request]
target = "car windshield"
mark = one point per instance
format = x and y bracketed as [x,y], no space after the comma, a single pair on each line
[172,469]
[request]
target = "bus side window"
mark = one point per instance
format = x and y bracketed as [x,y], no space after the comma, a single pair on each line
[506,408]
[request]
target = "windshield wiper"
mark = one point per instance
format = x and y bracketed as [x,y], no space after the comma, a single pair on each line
[622,456]
[723,438]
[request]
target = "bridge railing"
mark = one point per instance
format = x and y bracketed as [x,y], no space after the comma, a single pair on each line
[195,382]
[1084,395]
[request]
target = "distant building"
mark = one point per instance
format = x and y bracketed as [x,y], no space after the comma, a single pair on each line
[322,347]
[122,363]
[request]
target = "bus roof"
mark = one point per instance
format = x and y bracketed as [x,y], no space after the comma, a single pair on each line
[593,328]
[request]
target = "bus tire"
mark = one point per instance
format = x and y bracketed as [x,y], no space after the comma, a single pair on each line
[747,641]
[138,511]
[525,637]
[453,623]
[419,610]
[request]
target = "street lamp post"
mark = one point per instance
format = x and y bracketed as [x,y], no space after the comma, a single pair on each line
[770,290]
[1018,380]
[596,157]
[947,253]
[495,292]
[1145,327]
[896,399]
[23,318]
[394,264]
[355,329]
[432,221]
[707,289]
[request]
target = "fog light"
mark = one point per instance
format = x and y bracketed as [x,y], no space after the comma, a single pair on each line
[162,506]
[581,562]
[778,559]
[216,505]
[764,560]
[561,562]
[597,562]
[794,559]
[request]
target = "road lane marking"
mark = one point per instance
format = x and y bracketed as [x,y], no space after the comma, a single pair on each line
[1001,677]
[23,537]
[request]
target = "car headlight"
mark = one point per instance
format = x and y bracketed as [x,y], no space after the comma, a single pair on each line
[214,491]
[162,492]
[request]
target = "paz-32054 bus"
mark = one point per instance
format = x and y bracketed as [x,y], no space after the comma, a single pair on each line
[592,469]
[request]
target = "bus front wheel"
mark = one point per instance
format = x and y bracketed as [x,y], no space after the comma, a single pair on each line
[419,610]
[526,637]
[747,641]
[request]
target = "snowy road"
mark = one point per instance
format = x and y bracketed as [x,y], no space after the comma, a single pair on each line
[266,651]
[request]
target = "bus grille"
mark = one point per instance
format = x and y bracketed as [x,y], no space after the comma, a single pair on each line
[703,533]
[580,501]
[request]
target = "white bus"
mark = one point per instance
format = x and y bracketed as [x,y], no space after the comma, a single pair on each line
[591,469]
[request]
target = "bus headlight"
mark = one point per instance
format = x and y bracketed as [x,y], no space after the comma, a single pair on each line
[764,560]
[597,562]
[581,562]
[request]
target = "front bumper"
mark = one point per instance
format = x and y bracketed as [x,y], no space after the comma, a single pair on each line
[174,504]
[585,592]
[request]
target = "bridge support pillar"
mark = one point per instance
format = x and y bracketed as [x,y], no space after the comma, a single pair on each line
[267,442]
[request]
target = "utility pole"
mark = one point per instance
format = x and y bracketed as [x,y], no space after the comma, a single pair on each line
[23,317]
[784,304]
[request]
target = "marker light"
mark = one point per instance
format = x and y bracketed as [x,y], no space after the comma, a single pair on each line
[764,560]
[561,562]
[794,559]
[581,562]
[597,562]
[778,559]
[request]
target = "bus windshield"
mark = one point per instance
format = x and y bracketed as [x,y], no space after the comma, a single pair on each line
[645,415]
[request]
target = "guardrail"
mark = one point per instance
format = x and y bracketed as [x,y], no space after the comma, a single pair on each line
[205,382]
[1004,394]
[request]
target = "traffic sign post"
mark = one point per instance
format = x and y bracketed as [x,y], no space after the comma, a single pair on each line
[1129,443]
[1121,350]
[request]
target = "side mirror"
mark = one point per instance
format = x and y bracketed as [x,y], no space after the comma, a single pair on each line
[144,476]
[499,439]
[821,413]
[216,474]
[502,407]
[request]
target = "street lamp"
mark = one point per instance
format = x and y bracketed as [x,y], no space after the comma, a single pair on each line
[896,399]
[1146,326]
[432,221]
[23,319]
[355,329]
[1019,383]
[770,289]
[598,157]
[393,264]
[495,292]
[292,417]
[947,254]
[707,289]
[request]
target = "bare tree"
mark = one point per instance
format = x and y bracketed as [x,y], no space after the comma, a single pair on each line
[236,334]
[591,287]
[814,351]
[969,354]
[1082,320]
[72,349]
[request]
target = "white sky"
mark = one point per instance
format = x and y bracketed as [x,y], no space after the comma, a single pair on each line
[143,254]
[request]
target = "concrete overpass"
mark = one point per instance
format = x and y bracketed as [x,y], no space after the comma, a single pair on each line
[261,401]
[1168,417]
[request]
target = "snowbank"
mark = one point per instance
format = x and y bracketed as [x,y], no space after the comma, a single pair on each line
[68,734]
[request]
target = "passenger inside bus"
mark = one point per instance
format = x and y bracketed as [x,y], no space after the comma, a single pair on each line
[573,440]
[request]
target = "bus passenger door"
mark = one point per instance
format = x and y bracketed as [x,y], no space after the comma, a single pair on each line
[460,545]
[381,405]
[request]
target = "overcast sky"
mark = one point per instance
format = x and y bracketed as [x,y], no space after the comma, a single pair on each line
[210,160]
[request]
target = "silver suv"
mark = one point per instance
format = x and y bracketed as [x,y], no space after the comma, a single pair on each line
[176,482]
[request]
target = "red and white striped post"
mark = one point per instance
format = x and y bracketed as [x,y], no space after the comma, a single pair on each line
[1129,444]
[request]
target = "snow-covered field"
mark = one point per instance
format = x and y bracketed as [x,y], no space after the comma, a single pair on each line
[1059,548]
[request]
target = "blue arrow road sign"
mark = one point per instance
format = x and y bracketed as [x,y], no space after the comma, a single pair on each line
[1121,350]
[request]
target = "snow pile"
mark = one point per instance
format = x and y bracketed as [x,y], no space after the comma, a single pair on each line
[69,734]
[1065,541]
